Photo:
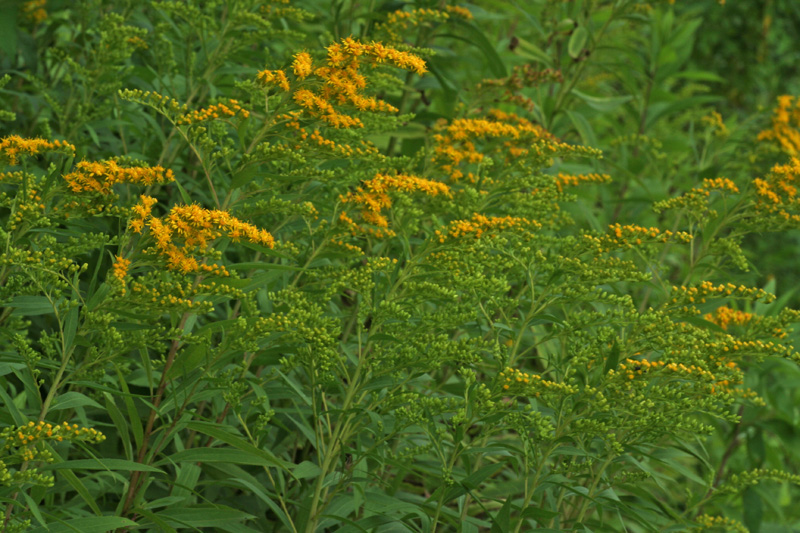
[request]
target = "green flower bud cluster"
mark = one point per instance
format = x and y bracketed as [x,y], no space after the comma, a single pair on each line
[713,523]
[24,446]
[165,105]
[738,482]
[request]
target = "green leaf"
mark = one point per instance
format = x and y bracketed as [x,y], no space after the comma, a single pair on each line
[449,89]
[162,525]
[583,127]
[215,455]
[33,507]
[102,464]
[189,359]
[473,480]
[477,38]
[753,509]
[530,51]
[501,521]
[72,399]
[756,447]
[8,404]
[8,29]
[119,424]
[700,75]
[81,489]
[540,515]
[31,305]
[93,135]
[660,109]
[577,41]
[306,470]
[71,326]
[187,199]
[259,492]
[7,368]
[92,524]
[216,431]
[203,516]
[604,104]
[133,415]
[243,176]
[613,358]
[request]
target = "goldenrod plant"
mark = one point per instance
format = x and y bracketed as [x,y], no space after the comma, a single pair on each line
[389,266]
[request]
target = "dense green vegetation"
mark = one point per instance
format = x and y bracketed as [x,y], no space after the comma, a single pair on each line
[399,266]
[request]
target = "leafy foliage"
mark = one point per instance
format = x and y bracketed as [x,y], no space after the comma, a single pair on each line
[272,267]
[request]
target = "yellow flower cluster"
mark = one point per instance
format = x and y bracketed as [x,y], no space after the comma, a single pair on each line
[137,42]
[174,293]
[785,124]
[231,109]
[33,432]
[274,77]
[721,2]
[719,184]
[777,194]
[193,228]
[28,205]
[347,246]
[120,267]
[100,176]
[630,235]
[480,224]
[341,81]
[717,125]
[34,11]
[373,197]
[695,202]
[573,180]
[318,105]
[707,289]
[532,383]
[720,522]
[302,65]
[316,138]
[142,211]
[725,316]
[165,104]
[13,146]
[456,142]
[459,11]
[753,346]
[346,54]
[631,368]
[399,22]
[282,11]
[153,297]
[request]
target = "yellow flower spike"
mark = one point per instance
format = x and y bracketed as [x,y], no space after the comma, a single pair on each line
[13,146]
[231,109]
[274,77]
[120,268]
[100,176]
[784,132]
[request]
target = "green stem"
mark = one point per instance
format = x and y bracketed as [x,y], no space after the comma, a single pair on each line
[595,482]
